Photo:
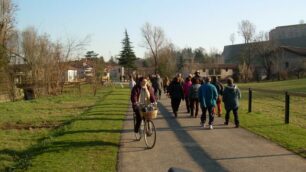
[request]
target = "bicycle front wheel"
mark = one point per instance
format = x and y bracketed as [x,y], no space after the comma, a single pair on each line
[149,134]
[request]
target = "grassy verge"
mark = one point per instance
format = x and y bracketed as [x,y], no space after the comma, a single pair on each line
[267,118]
[63,133]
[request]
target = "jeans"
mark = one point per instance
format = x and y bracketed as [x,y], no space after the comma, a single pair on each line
[210,114]
[194,102]
[157,93]
[235,112]
[187,103]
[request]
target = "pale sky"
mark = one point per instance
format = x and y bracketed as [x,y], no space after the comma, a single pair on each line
[187,23]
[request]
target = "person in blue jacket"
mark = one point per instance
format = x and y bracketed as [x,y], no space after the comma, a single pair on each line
[208,97]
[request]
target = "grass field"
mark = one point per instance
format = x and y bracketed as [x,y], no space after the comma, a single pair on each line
[267,116]
[63,133]
[73,132]
[289,85]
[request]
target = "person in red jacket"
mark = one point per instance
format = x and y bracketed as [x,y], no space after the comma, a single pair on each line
[142,93]
[186,88]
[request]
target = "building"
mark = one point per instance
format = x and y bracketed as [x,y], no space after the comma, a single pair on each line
[116,73]
[221,71]
[288,42]
[71,74]
[288,32]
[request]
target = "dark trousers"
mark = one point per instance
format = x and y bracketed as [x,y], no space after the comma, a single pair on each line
[194,103]
[138,119]
[157,93]
[165,89]
[210,114]
[235,112]
[175,104]
[187,104]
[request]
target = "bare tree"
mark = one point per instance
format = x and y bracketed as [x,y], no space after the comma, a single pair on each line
[7,20]
[7,45]
[266,51]
[11,69]
[247,30]
[72,48]
[75,47]
[232,38]
[45,61]
[167,60]
[154,39]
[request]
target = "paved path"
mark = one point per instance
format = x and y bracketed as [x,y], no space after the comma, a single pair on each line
[181,143]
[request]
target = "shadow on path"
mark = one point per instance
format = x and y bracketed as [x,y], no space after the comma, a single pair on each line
[191,146]
[258,156]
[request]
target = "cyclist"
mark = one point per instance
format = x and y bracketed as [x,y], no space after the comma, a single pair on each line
[142,93]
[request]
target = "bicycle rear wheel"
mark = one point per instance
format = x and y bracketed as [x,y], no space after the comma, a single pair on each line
[149,134]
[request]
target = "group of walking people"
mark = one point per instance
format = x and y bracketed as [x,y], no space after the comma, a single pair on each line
[208,94]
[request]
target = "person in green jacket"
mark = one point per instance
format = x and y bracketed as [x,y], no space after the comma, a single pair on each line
[207,96]
[231,96]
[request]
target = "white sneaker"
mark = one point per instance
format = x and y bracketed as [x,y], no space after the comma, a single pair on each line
[211,127]
[202,125]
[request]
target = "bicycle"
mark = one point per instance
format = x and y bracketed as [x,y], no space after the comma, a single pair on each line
[147,128]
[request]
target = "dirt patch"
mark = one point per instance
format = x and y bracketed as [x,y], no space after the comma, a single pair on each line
[28,126]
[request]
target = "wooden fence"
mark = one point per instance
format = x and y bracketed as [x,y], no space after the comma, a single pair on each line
[287,95]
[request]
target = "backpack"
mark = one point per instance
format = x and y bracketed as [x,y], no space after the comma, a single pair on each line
[194,92]
[221,88]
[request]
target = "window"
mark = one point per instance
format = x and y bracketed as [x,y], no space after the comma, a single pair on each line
[211,72]
[287,65]
[218,71]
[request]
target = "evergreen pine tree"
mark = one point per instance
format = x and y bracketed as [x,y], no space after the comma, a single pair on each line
[127,56]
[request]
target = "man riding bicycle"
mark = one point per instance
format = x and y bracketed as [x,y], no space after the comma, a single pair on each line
[142,93]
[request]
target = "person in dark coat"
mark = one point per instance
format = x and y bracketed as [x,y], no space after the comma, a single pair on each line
[197,76]
[219,88]
[141,93]
[157,84]
[175,91]
[231,96]
[208,96]
[194,97]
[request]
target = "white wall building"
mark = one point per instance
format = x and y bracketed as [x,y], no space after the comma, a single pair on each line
[72,75]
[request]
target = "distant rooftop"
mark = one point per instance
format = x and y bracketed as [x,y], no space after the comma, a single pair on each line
[295,25]
[289,31]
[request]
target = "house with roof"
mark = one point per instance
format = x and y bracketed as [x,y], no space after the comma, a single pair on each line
[221,71]
[289,46]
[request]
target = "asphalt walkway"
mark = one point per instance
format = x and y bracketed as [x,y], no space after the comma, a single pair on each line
[183,144]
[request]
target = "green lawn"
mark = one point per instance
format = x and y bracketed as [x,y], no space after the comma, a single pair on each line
[267,116]
[73,132]
[298,85]
[63,133]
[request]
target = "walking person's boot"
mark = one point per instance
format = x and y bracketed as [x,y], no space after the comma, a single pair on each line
[175,114]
